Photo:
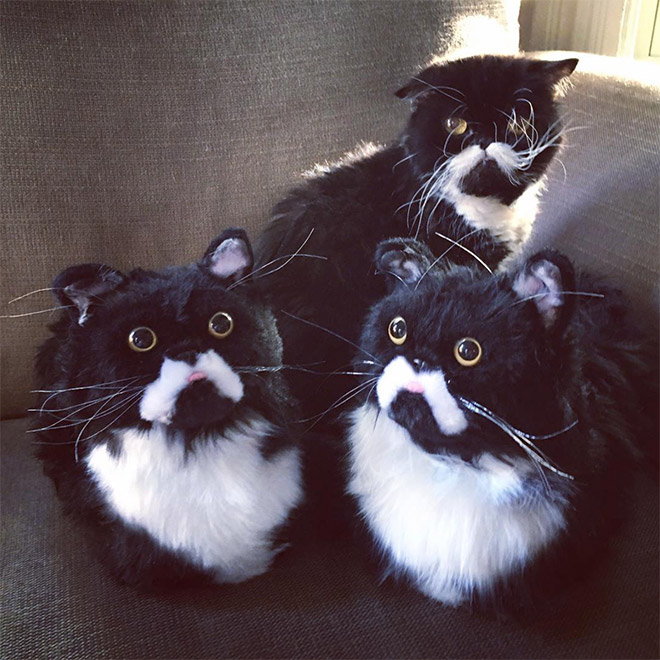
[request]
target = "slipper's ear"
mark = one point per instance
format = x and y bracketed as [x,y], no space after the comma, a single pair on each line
[546,280]
[404,259]
[229,257]
[82,287]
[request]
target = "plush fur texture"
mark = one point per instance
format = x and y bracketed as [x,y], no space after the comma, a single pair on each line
[177,455]
[467,168]
[493,444]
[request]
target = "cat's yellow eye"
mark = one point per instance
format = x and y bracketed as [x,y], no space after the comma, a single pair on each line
[515,127]
[221,325]
[397,330]
[142,339]
[467,352]
[455,125]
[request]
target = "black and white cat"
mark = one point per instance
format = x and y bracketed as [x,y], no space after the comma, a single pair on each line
[499,416]
[463,177]
[162,417]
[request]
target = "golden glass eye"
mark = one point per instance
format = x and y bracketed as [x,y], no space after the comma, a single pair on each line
[221,325]
[397,330]
[467,352]
[142,339]
[455,125]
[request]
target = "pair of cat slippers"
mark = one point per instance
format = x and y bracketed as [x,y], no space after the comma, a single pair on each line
[484,448]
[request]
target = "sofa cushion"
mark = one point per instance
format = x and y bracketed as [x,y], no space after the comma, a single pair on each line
[321,599]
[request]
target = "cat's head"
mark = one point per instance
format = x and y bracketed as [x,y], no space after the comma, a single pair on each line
[486,125]
[450,355]
[187,348]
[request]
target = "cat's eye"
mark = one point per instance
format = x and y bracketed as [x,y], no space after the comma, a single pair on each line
[142,339]
[467,352]
[455,125]
[221,325]
[397,330]
[515,127]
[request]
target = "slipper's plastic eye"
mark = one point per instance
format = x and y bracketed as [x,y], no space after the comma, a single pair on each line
[467,352]
[397,330]
[221,325]
[455,125]
[142,339]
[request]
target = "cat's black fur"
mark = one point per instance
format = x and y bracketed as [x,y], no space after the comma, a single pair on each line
[88,357]
[378,193]
[572,366]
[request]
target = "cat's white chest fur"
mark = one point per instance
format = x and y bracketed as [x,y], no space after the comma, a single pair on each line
[453,527]
[218,504]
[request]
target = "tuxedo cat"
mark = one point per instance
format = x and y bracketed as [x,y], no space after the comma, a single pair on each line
[463,177]
[498,421]
[162,418]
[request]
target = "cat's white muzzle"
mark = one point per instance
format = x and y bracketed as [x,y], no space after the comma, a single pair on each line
[504,156]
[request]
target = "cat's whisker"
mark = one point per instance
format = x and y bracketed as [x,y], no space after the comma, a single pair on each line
[430,215]
[286,257]
[563,167]
[40,311]
[457,109]
[585,294]
[375,364]
[444,147]
[470,252]
[430,187]
[62,423]
[342,400]
[441,89]
[437,180]
[127,405]
[403,160]
[444,254]
[93,417]
[76,406]
[334,334]
[31,293]
[413,199]
[530,449]
[547,436]
[106,385]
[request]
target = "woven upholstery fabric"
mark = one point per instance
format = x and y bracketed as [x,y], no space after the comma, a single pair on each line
[320,600]
[602,203]
[133,132]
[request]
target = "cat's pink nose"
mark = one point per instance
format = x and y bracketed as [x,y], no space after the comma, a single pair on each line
[415,387]
[196,375]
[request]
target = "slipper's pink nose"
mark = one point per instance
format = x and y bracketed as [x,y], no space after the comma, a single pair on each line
[196,375]
[415,387]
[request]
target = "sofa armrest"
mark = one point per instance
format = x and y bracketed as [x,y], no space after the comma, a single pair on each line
[601,202]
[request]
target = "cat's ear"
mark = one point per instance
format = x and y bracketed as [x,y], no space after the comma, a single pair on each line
[555,72]
[80,288]
[416,87]
[411,90]
[405,259]
[544,279]
[229,257]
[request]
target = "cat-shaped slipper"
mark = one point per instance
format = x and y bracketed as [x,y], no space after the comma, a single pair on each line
[162,418]
[499,418]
